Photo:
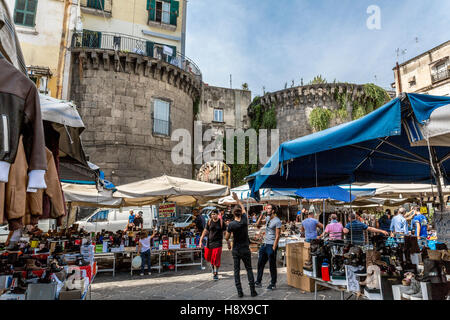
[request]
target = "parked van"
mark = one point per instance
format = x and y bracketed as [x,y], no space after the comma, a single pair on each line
[116,219]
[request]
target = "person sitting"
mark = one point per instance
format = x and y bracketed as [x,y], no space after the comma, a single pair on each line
[130,224]
[138,221]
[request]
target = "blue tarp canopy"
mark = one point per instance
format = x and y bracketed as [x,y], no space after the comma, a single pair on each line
[374,148]
[332,192]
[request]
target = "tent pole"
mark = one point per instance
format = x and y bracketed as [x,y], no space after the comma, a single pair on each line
[351,211]
[323,218]
[437,167]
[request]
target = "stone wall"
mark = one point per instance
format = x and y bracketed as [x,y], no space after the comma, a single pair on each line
[294,105]
[233,102]
[114,96]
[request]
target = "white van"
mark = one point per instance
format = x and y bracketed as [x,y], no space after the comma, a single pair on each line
[116,219]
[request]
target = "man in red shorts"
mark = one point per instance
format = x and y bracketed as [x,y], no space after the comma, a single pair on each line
[213,250]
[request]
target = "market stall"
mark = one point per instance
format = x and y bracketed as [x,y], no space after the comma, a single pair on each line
[404,141]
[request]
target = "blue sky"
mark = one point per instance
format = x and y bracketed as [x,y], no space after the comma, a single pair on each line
[270,42]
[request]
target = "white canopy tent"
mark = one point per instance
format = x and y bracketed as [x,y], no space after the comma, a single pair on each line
[89,196]
[60,111]
[185,192]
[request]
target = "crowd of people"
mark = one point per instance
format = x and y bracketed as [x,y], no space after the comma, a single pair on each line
[234,225]
[401,223]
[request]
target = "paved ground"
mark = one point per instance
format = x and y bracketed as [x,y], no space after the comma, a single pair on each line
[191,283]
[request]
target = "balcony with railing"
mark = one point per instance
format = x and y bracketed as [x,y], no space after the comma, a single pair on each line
[97,7]
[439,76]
[123,43]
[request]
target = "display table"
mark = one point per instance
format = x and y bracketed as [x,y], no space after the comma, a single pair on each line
[328,284]
[106,256]
[191,251]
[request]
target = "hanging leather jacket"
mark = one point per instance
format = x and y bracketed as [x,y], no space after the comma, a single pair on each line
[34,208]
[20,114]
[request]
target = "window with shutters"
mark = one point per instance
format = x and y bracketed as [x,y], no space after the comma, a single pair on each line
[25,12]
[161,117]
[218,115]
[163,11]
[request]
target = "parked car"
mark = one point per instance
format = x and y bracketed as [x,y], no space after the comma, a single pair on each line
[114,219]
[183,221]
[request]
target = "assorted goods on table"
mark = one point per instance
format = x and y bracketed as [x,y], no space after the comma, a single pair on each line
[400,268]
[54,265]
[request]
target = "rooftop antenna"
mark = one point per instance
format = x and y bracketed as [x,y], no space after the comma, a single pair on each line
[231,83]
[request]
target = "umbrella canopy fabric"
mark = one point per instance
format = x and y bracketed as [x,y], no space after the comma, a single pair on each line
[60,111]
[374,148]
[332,192]
[184,192]
[243,192]
[88,195]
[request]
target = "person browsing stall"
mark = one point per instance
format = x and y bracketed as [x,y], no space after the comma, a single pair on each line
[384,223]
[241,250]
[309,227]
[357,228]
[144,250]
[419,224]
[213,249]
[334,228]
[399,223]
[268,251]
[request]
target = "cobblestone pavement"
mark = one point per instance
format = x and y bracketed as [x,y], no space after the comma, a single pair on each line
[191,283]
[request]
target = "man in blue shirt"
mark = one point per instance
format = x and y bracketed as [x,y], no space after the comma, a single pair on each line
[399,223]
[356,230]
[309,227]
[419,224]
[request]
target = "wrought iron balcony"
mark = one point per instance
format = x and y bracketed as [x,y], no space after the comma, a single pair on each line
[440,76]
[125,43]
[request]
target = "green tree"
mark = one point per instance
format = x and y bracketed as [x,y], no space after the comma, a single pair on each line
[245,86]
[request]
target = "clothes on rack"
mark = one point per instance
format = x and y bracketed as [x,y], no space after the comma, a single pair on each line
[20,114]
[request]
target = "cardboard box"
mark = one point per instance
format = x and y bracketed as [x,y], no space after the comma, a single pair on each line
[70,295]
[294,267]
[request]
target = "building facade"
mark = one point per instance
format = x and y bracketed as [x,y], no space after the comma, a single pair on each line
[294,106]
[220,109]
[42,29]
[427,73]
[133,86]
